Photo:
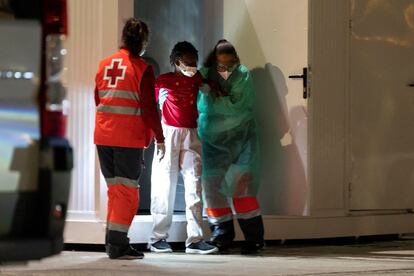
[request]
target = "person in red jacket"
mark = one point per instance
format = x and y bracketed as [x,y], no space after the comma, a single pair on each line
[177,93]
[126,120]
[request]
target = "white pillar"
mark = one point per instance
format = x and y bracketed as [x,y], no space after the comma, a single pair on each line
[94,32]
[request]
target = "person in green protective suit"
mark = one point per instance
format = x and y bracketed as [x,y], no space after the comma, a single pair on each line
[227,130]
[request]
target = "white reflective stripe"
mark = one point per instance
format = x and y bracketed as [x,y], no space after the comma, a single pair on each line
[123,94]
[122,180]
[249,215]
[118,227]
[215,220]
[119,110]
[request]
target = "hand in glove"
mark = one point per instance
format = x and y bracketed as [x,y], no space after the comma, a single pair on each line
[163,94]
[160,148]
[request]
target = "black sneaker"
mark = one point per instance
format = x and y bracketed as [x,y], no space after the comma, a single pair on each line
[223,247]
[251,248]
[123,252]
[201,247]
[161,246]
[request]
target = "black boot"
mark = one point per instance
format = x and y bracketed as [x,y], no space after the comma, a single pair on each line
[222,235]
[117,246]
[253,231]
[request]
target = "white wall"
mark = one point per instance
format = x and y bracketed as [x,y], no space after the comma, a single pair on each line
[271,37]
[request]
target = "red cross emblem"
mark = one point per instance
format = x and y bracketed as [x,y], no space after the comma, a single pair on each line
[114,72]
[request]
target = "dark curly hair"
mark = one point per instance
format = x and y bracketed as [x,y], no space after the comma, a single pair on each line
[135,36]
[180,49]
[222,47]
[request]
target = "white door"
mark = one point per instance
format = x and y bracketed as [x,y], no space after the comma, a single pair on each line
[271,37]
[381,148]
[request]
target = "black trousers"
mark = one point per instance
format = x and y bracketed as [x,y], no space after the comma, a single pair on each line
[121,168]
[121,162]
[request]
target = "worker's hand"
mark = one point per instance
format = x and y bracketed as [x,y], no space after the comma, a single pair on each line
[205,88]
[214,88]
[160,148]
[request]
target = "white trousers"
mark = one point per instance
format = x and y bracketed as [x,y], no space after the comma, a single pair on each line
[183,153]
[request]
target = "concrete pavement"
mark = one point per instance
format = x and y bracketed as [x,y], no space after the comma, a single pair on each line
[380,258]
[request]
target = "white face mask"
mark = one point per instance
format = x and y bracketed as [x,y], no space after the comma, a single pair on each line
[187,70]
[142,52]
[226,71]
[225,75]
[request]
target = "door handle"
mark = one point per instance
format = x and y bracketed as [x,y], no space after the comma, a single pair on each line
[304,77]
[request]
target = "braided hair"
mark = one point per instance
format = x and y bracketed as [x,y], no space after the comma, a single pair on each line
[180,49]
[135,36]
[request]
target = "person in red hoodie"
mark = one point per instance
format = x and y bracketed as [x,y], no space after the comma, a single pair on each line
[177,95]
[126,120]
